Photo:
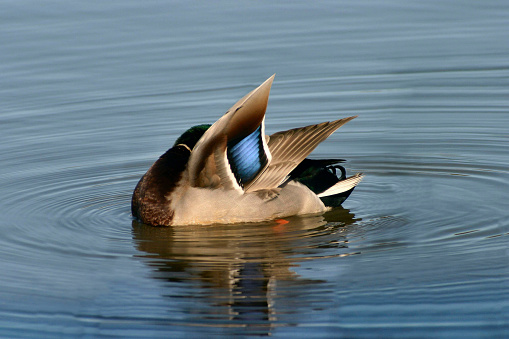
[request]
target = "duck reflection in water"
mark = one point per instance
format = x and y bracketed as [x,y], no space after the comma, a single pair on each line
[231,272]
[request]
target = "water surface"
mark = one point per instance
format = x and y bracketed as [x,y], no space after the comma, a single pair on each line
[92,93]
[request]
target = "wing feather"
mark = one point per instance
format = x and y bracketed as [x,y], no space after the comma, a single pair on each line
[289,148]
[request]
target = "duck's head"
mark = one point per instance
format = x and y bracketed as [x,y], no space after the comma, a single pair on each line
[191,136]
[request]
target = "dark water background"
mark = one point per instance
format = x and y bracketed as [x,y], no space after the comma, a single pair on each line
[92,92]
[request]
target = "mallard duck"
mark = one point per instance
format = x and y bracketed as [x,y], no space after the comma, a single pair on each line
[231,172]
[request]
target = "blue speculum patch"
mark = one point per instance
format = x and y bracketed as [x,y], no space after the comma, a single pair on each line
[247,157]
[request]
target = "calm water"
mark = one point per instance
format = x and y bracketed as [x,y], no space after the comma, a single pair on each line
[91,93]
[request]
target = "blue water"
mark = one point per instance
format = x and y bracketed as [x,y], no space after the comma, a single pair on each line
[91,93]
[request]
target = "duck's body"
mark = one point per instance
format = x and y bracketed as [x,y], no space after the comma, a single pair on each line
[194,207]
[231,172]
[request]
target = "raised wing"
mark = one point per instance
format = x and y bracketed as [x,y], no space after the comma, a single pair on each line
[289,148]
[233,151]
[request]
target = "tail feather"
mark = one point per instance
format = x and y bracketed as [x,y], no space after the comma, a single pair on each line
[342,185]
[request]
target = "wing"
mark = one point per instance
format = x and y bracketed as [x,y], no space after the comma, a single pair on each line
[233,151]
[289,148]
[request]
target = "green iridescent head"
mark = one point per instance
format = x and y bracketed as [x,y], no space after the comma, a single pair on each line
[192,135]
